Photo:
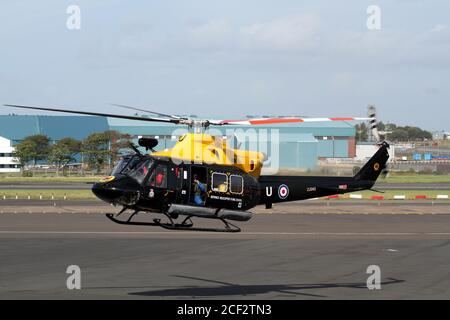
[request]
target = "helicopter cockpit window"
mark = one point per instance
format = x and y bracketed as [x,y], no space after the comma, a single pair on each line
[219,182]
[119,167]
[140,170]
[236,184]
[159,177]
[125,165]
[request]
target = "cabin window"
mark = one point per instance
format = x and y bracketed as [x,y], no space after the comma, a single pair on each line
[236,184]
[158,178]
[219,182]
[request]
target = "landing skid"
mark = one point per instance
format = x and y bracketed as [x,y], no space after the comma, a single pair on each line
[186,225]
[111,217]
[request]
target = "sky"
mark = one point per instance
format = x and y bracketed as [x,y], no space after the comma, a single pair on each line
[209,57]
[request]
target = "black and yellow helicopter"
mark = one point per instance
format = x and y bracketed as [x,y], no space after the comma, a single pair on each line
[203,177]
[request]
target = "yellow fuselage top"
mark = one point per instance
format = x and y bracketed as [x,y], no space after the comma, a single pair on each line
[200,148]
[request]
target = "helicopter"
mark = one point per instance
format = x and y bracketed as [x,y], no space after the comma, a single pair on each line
[203,177]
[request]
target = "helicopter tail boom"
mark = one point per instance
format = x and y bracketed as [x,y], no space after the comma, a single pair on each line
[375,166]
[293,188]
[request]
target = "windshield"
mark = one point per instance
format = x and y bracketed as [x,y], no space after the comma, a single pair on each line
[140,170]
[131,164]
[119,166]
[125,165]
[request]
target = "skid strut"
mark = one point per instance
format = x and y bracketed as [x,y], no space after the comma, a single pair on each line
[185,225]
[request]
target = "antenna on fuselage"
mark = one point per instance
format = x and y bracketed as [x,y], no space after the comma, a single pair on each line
[135,149]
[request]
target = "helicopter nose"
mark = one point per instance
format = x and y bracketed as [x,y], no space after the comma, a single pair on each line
[106,191]
[117,190]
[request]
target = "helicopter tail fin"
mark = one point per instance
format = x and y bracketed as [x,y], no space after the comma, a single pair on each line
[375,166]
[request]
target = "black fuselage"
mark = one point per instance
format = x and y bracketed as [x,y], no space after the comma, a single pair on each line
[149,183]
[226,187]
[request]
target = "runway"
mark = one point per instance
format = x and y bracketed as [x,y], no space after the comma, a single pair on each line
[88,185]
[45,185]
[24,203]
[277,256]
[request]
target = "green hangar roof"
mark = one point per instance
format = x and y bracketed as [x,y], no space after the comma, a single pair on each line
[301,144]
[17,127]
[70,126]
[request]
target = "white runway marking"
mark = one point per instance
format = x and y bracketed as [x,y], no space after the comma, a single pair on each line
[235,233]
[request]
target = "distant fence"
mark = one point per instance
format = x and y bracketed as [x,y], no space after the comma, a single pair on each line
[393,197]
[69,171]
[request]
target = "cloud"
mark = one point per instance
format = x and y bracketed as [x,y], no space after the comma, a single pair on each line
[342,80]
[292,33]
[214,34]
[391,48]
[303,33]
[439,28]
[437,35]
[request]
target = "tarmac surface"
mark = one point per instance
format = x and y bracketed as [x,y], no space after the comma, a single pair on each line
[362,206]
[45,185]
[281,254]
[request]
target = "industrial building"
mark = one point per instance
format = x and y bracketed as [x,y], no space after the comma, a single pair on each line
[441,135]
[300,145]
[7,162]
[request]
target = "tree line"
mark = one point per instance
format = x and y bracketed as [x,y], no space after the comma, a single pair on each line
[96,150]
[393,132]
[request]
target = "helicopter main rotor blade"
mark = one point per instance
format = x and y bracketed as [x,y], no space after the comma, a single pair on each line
[148,111]
[266,121]
[175,121]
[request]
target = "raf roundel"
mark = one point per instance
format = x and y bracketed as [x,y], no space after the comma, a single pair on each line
[283,191]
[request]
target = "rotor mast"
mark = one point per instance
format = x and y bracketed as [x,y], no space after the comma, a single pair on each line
[197,125]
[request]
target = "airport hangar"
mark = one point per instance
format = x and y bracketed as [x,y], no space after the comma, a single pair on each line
[301,144]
